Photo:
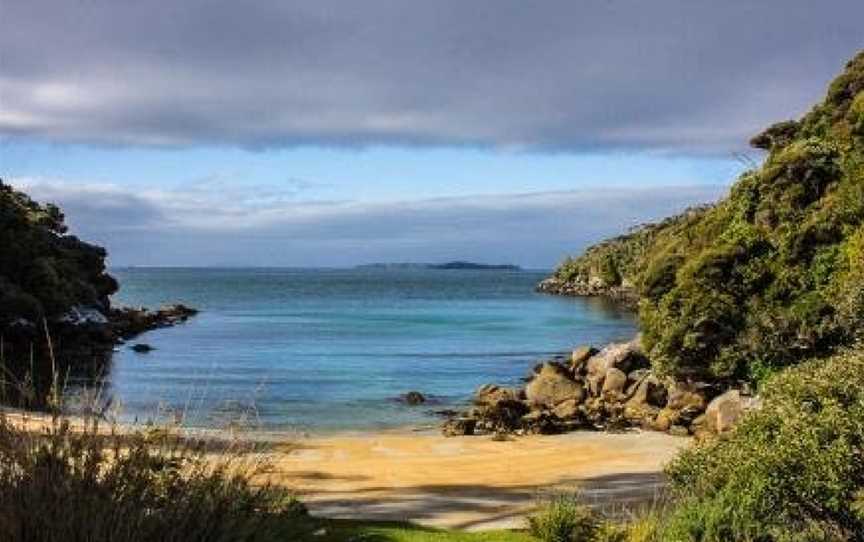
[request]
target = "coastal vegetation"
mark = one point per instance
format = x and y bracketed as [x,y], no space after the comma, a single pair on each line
[765,288]
[44,271]
[769,276]
[56,318]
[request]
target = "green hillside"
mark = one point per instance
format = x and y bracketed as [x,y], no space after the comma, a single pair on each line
[771,275]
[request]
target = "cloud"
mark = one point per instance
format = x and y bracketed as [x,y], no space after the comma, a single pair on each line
[186,227]
[672,75]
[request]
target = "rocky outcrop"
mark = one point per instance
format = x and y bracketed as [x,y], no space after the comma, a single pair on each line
[55,299]
[551,386]
[413,398]
[127,322]
[610,389]
[622,293]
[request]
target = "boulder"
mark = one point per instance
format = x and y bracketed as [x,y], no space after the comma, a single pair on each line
[504,415]
[640,414]
[490,395]
[724,411]
[684,395]
[624,356]
[613,383]
[568,410]
[595,383]
[414,398]
[459,426]
[649,391]
[579,357]
[552,386]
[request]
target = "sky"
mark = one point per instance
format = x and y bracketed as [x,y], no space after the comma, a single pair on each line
[334,133]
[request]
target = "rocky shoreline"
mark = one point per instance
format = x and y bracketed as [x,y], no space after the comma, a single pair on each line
[609,389]
[624,294]
[85,336]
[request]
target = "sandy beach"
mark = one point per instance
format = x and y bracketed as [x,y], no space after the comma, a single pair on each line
[471,483]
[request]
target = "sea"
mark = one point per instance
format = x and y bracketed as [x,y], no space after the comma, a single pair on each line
[335,349]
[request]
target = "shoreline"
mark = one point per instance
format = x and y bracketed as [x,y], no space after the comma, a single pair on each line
[468,482]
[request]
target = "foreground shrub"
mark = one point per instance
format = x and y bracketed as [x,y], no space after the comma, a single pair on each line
[68,485]
[564,519]
[792,471]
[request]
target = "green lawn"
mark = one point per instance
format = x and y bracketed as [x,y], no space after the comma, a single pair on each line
[369,531]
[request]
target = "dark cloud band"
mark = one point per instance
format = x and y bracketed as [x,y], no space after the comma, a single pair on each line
[672,75]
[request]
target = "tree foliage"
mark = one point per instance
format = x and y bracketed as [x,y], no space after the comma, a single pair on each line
[772,274]
[43,270]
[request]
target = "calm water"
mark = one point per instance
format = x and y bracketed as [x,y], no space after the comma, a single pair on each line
[331,349]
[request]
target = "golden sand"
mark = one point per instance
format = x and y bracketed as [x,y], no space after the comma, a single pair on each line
[469,482]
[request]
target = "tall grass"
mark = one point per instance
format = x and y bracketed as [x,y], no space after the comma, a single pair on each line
[70,480]
[85,483]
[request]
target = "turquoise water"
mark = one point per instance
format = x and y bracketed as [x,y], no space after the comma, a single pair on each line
[332,349]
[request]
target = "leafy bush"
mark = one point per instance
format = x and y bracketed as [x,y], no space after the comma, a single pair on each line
[90,485]
[792,471]
[564,519]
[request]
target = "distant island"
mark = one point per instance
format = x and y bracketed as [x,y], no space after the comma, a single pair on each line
[447,265]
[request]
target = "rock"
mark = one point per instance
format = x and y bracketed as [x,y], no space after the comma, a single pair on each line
[540,422]
[127,322]
[491,395]
[568,410]
[634,377]
[81,316]
[414,398]
[641,414]
[595,383]
[684,395]
[504,416]
[670,416]
[455,427]
[553,386]
[142,348]
[624,356]
[613,383]
[724,411]
[579,357]
[649,391]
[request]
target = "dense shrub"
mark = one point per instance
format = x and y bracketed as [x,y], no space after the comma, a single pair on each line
[771,275]
[43,270]
[64,485]
[792,471]
[619,260]
[564,518]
